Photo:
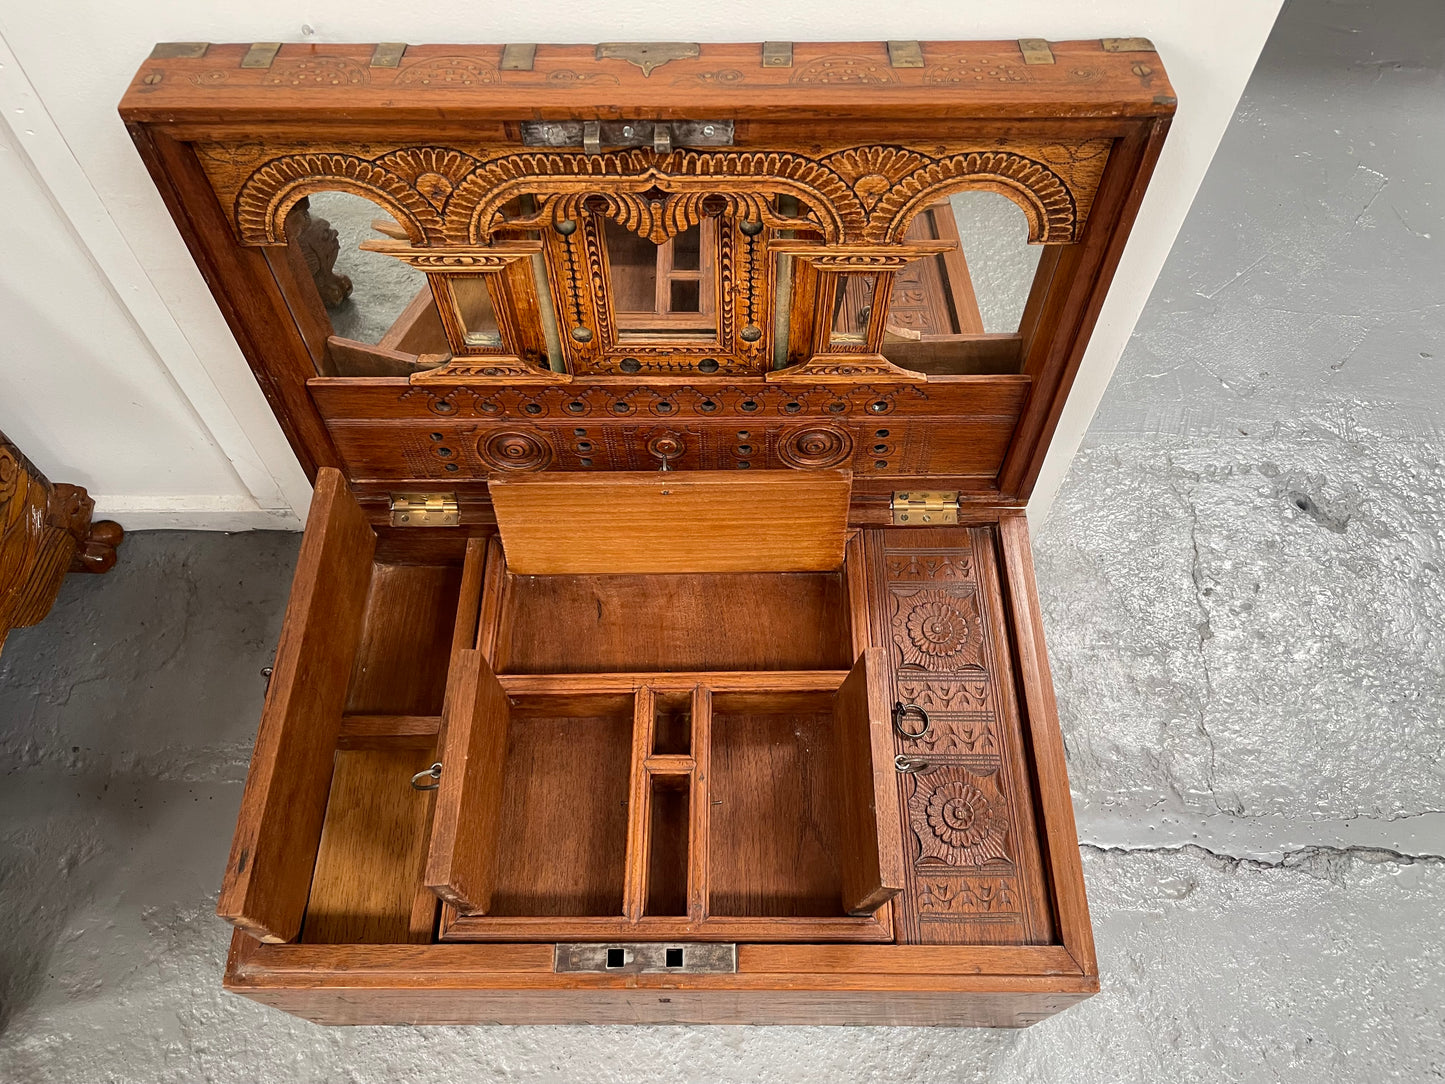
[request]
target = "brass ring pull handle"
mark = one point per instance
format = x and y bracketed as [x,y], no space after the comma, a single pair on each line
[901,711]
[434,773]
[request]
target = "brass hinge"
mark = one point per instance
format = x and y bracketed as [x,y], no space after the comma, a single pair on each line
[425,510]
[920,508]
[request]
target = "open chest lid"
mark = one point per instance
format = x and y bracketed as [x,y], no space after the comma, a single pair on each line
[453,263]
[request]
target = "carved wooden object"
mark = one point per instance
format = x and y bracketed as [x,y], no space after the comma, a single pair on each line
[602,540]
[45,532]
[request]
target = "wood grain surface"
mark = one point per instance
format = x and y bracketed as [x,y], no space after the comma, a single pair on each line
[698,521]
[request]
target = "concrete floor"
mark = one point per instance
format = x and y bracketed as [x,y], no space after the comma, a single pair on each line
[1244,586]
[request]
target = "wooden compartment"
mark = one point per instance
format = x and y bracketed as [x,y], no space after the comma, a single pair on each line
[631,619]
[667,845]
[644,806]
[777,837]
[562,833]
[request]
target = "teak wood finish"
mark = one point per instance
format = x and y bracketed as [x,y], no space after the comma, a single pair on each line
[45,532]
[683,704]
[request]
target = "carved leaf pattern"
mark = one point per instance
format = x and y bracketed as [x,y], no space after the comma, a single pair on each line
[967,896]
[928,566]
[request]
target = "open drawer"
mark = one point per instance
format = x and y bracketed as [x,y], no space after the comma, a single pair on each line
[839,788]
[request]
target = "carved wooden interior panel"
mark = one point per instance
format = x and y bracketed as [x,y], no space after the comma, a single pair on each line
[975,872]
[853,207]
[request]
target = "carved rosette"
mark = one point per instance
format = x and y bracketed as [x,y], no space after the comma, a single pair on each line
[815,447]
[959,818]
[515,450]
[939,630]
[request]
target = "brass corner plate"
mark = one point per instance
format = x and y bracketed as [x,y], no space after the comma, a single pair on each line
[518,57]
[261,54]
[179,50]
[1126,45]
[905,54]
[388,54]
[777,54]
[1036,51]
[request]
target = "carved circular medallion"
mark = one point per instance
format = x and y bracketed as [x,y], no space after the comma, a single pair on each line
[937,628]
[665,446]
[514,450]
[961,823]
[815,447]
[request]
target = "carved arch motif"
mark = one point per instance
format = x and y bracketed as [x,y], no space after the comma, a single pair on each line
[684,179]
[896,184]
[268,195]
[445,195]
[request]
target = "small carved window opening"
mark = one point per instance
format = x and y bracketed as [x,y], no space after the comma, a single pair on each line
[663,292]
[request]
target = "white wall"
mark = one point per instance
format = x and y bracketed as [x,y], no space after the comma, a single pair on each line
[147,340]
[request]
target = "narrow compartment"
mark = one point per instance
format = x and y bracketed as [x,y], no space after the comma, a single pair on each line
[675,621]
[668,858]
[774,815]
[672,728]
[563,843]
[406,636]
[367,887]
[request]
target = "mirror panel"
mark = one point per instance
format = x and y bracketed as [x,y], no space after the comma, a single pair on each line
[381,288]
[993,237]
[852,308]
[474,310]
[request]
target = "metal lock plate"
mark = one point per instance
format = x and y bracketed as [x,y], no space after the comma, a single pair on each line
[648,958]
[648,55]
[627,133]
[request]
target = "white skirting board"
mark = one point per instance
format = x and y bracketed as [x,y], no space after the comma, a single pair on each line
[193,512]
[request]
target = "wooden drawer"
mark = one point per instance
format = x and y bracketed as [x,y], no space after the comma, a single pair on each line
[695,759]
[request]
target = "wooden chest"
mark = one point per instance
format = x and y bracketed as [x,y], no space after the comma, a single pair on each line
[664,644]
